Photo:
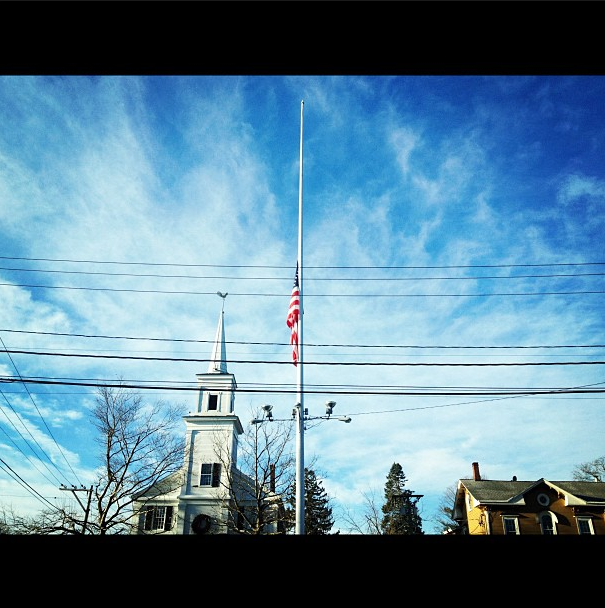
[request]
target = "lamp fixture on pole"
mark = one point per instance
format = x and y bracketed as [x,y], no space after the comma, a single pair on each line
[268,414]
[301,416]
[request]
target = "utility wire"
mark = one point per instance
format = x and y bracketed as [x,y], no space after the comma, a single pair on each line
[26,441]
[24,484]
[322,363]
[121,263]
[427,407]
[52,333]
[168,384]
[41,418]
[309,391]
[307,277]
[242,387]
[312,295]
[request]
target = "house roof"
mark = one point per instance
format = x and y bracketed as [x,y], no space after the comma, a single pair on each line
[587,493]
[167,488]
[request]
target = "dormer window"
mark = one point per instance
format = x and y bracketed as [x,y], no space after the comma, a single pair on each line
[212,402]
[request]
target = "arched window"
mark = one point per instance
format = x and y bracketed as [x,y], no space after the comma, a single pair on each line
[548,522]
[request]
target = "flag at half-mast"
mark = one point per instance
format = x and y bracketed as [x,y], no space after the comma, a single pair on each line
[293,317]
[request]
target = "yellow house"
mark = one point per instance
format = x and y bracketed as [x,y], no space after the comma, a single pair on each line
[486,507]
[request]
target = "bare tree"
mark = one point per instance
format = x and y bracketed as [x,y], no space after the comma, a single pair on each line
[590,471]
[445,524]
[369,520]
[140,451]
[60,520]
[255,485]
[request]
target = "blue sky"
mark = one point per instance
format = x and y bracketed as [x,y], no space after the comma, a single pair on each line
[452,240]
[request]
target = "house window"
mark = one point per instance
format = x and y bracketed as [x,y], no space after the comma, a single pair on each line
[585,525]
[211,474]
[212,402]
[511,524]
[158,518]
[547,524]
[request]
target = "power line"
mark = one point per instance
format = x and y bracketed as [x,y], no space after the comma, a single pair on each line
[41,418]
[441,405]
[122,263]
[312,295]
[243,387]
[121,384]
[322,363]
[26,441]
[52,333]
[308,278]
[24,483]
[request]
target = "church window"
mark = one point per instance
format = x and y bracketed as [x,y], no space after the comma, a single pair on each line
[212,402]
[211,474]
[158,518]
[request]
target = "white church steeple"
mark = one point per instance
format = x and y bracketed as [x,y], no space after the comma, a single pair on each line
[207,463]
[217,386]
[218,360]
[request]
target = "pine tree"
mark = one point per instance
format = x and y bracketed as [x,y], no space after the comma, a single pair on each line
[318,513]
[400,509]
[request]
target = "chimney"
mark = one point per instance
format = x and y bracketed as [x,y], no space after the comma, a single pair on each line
[476,475]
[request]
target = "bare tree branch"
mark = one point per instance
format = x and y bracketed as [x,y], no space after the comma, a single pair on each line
[263,473]
[369,520]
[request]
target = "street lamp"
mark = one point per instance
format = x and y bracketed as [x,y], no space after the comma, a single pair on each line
[267,415]
[303,416]
[329,408]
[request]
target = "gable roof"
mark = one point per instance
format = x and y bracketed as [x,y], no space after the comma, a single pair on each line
[167,488]
[586,493]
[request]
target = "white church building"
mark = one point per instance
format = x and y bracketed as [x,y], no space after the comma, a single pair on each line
[200,499]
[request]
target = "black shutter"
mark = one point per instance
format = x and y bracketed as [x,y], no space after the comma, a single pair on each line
[216,474]
[168,524]
[148,518]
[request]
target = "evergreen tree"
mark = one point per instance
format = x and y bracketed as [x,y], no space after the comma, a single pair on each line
[318,513]
[400,509]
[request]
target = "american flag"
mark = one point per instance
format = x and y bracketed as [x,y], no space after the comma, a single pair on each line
[293,315]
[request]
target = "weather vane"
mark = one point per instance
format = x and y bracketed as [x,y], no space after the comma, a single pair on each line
[222,295]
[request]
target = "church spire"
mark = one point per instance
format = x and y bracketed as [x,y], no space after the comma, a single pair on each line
[218,360]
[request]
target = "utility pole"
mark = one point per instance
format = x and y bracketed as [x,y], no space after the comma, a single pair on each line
[86,509]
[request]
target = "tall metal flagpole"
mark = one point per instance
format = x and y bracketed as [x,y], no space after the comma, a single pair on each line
[300,435]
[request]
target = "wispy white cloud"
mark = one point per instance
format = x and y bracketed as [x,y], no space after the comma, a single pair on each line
[399,172]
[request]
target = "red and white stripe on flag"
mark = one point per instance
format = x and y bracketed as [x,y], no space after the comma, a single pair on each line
[293,316]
